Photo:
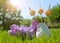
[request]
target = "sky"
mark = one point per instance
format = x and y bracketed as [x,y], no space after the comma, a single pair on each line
[35,5]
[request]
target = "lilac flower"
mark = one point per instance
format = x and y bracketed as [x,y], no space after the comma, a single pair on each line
[30,29]
[34,25]
[12,32]
[34,22]
[23,28]
[14,26]
[13,29]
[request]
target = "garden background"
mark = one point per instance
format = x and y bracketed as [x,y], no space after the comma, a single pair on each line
[11,15]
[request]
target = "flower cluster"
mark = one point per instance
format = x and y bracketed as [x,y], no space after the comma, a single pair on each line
[14,29]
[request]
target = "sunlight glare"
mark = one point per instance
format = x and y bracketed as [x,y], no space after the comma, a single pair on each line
[17,3]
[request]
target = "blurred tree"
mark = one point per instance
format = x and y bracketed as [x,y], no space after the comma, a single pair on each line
[25,22]
[55,14]
[9,14]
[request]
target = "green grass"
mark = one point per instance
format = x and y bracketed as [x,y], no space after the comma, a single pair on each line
[54,38]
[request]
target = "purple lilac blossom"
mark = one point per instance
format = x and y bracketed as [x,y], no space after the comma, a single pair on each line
[34,25]
[23,29]
[12,32]
[32,29]
[13,27]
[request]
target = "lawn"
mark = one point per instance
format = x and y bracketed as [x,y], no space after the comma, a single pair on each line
[54,38]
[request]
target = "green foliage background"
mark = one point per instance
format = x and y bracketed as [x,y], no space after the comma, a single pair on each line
[55,14]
